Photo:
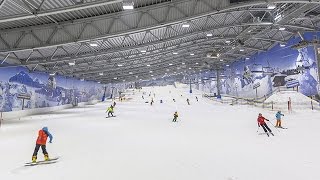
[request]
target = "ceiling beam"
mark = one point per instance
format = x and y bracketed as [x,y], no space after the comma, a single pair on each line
[59,10]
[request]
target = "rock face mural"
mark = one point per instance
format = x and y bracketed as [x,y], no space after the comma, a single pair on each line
[20,89]
[281,66]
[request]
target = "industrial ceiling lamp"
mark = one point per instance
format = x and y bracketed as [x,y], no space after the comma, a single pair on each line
[93,44]
[186,25]
[271,6]
[128,5]
[72,63]
[282,28]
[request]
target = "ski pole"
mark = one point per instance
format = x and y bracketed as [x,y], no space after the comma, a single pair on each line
[274,126]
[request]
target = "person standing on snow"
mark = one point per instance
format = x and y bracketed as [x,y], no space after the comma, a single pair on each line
[175,117]
[43,134]
[278,117]
[188,101]
[110,111]
[263,124]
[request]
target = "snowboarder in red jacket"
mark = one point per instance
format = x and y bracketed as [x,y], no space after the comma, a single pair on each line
[263,124]
[43,134]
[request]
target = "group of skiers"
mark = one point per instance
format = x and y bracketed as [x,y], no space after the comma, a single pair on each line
[44,133]
[261,122]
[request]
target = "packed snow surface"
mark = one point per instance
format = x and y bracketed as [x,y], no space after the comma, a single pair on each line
[210,141]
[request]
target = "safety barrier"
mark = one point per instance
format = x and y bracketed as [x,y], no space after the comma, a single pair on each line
[260,102]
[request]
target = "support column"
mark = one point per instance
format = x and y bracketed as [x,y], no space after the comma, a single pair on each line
[190,86]
[218,83]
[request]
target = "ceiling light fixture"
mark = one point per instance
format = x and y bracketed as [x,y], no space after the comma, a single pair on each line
[72,63]
[128,5]
[282,45]
[120,65]
[282,28]
[101,74]
[148,65]
[228,41]
[209,35]
[185,25]
[192,54]
[241,50]
[271,6]
[94,44]
[175,53]
[143,51]
[170,64]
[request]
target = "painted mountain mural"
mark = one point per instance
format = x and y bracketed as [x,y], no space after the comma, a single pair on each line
[15,82]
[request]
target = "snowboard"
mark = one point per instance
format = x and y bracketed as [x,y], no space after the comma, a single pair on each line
[110,116]
[51,161]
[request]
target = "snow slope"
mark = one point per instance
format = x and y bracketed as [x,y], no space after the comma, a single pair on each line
[210,141]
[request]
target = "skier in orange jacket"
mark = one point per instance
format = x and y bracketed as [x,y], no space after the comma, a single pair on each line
[41,142]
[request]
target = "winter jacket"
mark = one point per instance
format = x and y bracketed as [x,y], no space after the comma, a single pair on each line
[110,109]
[43,135]
[175,115]
[261,120]
[278,115]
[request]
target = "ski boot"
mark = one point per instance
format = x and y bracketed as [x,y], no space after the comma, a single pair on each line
[34,159]
[46,157]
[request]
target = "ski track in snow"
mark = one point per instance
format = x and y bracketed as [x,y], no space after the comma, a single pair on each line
[210,141]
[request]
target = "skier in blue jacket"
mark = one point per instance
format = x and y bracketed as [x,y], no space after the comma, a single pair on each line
[278,117]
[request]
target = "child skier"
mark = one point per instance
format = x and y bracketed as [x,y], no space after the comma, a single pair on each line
[175,117]
[188,101]
[278,117]
[110,111]
[197,98]
[264,125]
[114,104]
[151,102]
[43,134]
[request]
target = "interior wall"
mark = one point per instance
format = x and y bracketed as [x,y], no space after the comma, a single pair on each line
[278,67]
[45,90]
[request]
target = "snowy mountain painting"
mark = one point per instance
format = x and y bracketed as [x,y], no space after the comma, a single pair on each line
[279,66]
[44,90]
